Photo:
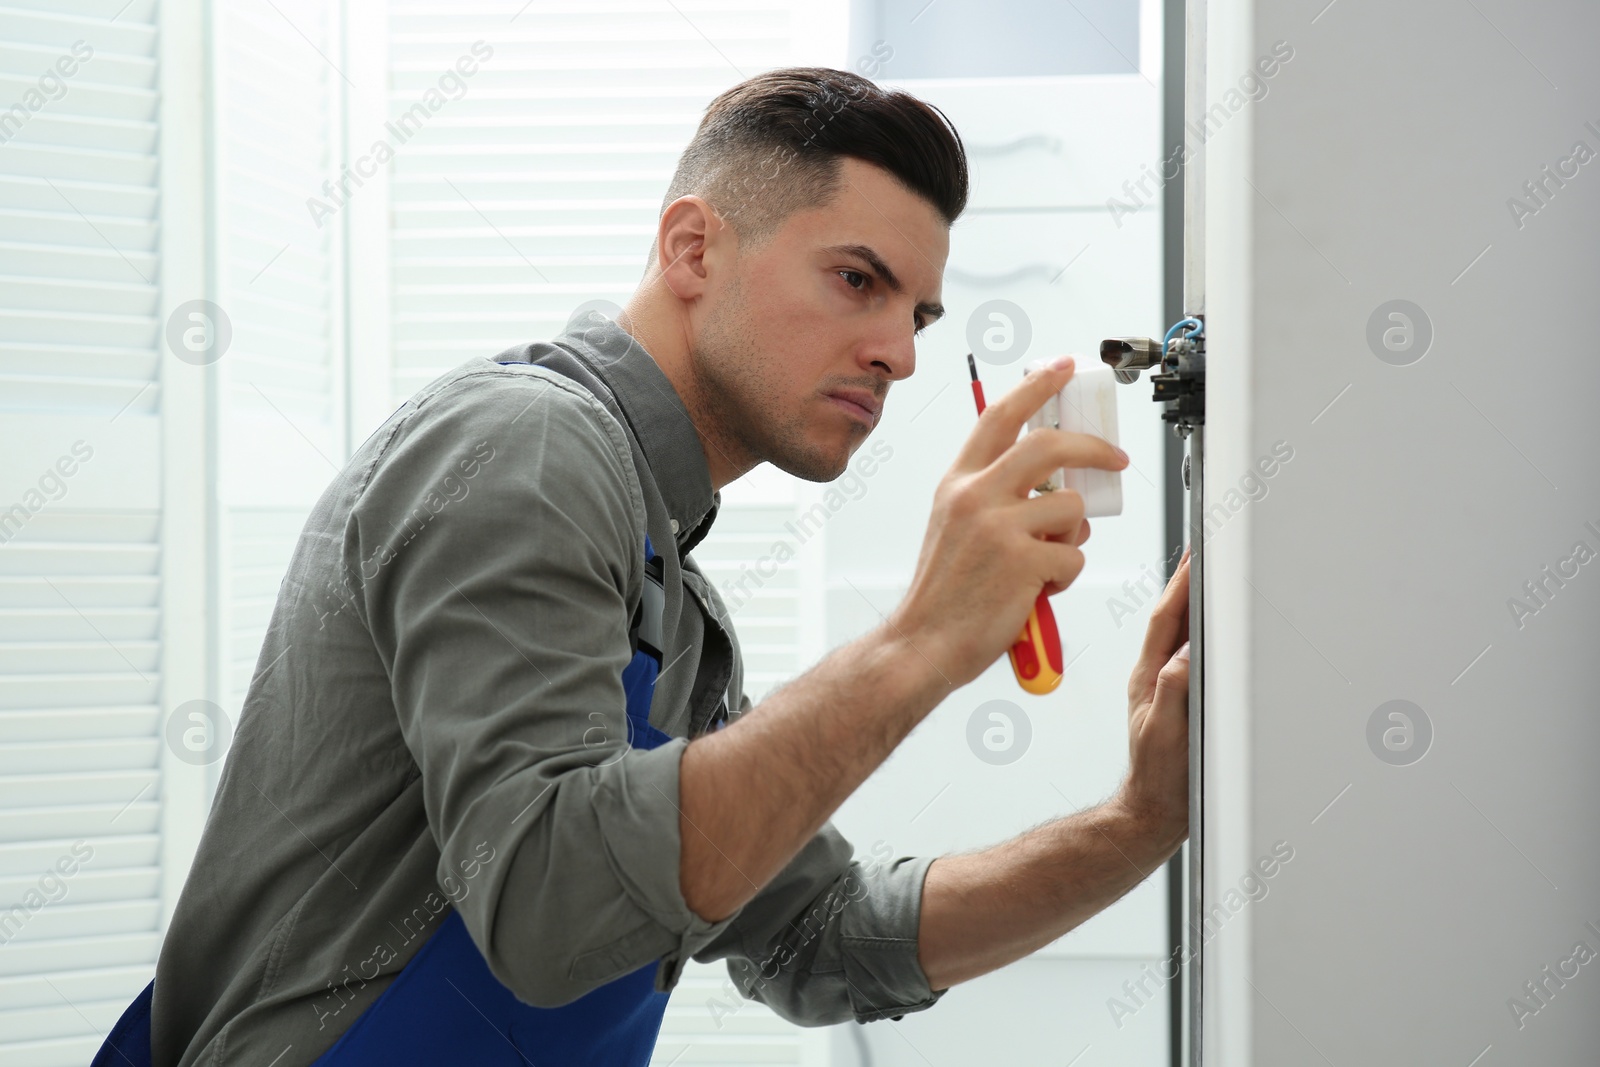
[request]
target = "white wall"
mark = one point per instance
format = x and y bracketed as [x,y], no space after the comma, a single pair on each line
[1384,564]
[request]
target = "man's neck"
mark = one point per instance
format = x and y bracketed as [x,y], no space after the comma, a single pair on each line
[663,336]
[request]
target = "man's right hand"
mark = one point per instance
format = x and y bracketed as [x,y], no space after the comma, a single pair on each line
[990,548]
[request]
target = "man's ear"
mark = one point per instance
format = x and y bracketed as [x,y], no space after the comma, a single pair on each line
[690,241]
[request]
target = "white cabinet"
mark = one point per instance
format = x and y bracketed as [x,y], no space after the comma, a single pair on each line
[1046,153]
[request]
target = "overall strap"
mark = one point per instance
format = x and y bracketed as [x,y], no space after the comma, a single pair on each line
[645,631]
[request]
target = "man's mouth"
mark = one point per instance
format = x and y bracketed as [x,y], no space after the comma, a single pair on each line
[861,403]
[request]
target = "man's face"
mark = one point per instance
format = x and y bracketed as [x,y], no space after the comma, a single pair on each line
[798,340]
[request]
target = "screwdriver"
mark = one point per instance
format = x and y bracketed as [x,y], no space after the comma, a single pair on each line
[1036,653]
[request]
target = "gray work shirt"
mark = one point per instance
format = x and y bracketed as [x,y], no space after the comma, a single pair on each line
[437,721]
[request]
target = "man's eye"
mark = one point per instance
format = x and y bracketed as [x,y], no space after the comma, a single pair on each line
[848,274]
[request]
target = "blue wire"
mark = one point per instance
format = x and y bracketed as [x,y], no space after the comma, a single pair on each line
[1195,326]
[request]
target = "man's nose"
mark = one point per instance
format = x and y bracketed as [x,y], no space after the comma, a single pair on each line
[892,356]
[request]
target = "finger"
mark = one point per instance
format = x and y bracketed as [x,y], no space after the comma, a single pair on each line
[999,425]
[1172,684]
[1170,620]
[1059,563]
[1158,683]
[1055,516]
[1077,538]
[1040,453]
[1167,629]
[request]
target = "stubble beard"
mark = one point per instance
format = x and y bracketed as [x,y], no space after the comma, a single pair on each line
[741,409]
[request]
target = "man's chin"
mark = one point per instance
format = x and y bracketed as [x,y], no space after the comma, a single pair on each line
[815,465]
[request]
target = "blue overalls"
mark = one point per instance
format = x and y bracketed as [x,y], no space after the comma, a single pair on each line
[446,1007]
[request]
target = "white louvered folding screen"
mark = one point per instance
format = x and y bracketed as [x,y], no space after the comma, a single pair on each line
[537,187]
[767,562]
[533,187]
[80,574]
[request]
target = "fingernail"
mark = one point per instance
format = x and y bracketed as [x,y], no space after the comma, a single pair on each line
[1062,362]
[1121,454]
[1183,651]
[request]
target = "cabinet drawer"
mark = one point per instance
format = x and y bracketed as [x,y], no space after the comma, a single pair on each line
[1050,141]
[1078,278]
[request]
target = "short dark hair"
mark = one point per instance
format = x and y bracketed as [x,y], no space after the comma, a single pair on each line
[772,145]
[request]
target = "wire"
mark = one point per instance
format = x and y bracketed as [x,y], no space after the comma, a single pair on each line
[863,1047]
[1194,326]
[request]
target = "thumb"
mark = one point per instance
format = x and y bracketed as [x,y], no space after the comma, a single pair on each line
[1173,681]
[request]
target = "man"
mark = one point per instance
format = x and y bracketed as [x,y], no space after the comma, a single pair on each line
[495,780]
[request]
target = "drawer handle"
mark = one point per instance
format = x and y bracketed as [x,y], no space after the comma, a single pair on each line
[1004,148]
[1047,271]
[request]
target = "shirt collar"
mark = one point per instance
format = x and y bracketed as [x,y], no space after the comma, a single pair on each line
[658,419]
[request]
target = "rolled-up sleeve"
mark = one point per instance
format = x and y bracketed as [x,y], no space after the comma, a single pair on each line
[832,938]
[497,547]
